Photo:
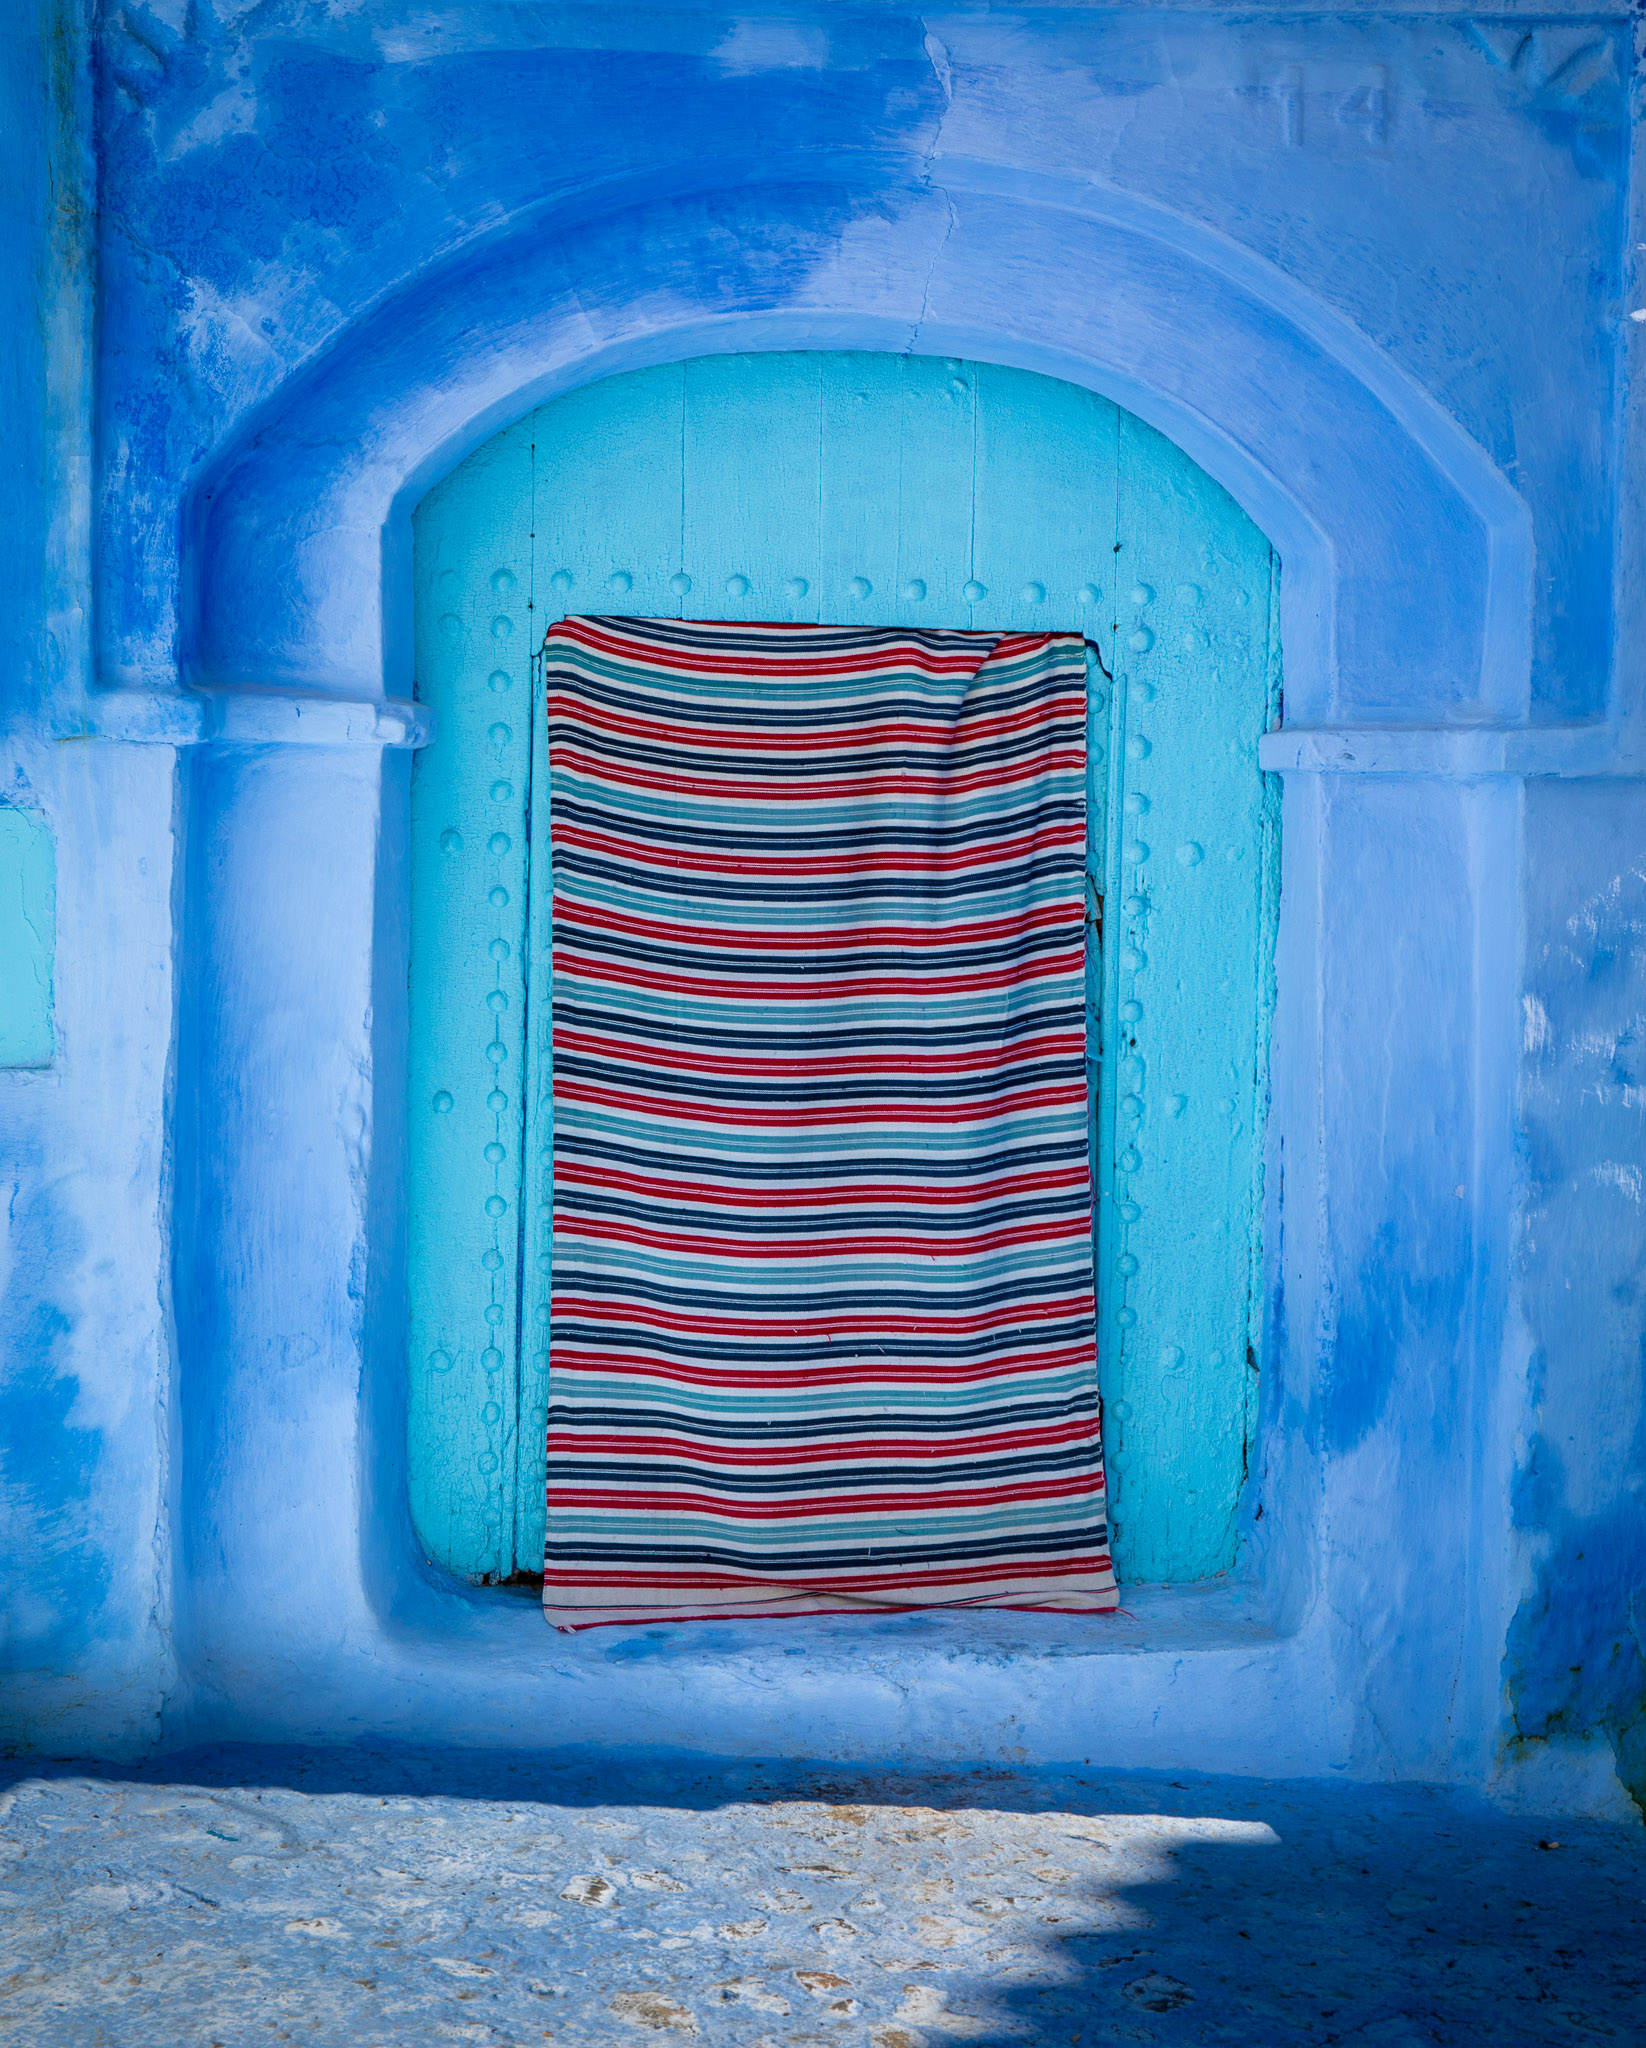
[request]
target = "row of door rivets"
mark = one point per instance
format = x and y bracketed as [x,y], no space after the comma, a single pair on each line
[1133,960]
[498,844]
[1033,591]
[621,581]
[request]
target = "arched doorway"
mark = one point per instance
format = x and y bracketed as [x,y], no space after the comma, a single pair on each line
[873,489]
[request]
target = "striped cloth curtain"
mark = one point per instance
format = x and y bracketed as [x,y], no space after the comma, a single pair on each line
[822,1324]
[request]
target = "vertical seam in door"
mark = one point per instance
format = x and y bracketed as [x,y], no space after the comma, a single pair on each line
[1267,940]
[822,429]
[971,531]
[1105,1232]
[1096,902]
[510,1564]
[902,437]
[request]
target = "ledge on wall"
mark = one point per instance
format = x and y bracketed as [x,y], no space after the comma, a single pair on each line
[248,715]
[1459,752]
[1213,1614]
[257,715]
[1149,1686]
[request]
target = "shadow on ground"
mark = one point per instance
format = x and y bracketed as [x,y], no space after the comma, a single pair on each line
[233,1895]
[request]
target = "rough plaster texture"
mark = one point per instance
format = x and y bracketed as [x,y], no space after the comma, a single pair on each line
[1373,272]
[235,1897]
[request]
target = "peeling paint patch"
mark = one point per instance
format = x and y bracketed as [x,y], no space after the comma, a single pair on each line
[1616,1173]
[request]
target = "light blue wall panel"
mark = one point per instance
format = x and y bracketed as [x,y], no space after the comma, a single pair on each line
[900,491]
[28,938]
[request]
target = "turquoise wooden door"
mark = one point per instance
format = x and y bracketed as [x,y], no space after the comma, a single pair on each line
[889,490]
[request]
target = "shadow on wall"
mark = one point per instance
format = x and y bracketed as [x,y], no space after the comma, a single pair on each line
[51,1454]
[1577,1650]
[1575,1660]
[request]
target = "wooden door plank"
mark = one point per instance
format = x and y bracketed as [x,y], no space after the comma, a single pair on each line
[1191,896]
[936,436]
[858,490]
[468,898]
[610,497]
[753,429]
[1043,524]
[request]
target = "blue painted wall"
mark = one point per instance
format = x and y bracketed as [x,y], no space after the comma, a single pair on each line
[88,830]
[1576,1657]
[1373,272]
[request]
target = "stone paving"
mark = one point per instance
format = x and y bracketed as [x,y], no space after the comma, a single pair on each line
[233,1897]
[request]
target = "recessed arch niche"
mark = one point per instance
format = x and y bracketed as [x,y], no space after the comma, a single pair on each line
[1408,679]
[877,489]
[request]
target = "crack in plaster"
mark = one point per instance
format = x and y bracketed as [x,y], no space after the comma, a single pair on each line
[937,56]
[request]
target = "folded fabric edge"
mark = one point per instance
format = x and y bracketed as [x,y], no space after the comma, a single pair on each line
[570,1620]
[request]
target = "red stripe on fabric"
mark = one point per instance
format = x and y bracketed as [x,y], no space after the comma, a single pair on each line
[571,1443]
[862,865]
[888,783]
[765,1196]
[1065,961]
[948,981]
[685,930]
[569,1360]
[900,653]
[820,1507]
[950,1244]
[942,732]
[567,1621]
[660,1056]
[848,1116]
[797,1322]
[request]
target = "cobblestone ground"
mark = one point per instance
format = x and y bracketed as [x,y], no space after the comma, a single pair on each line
[235,1897]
